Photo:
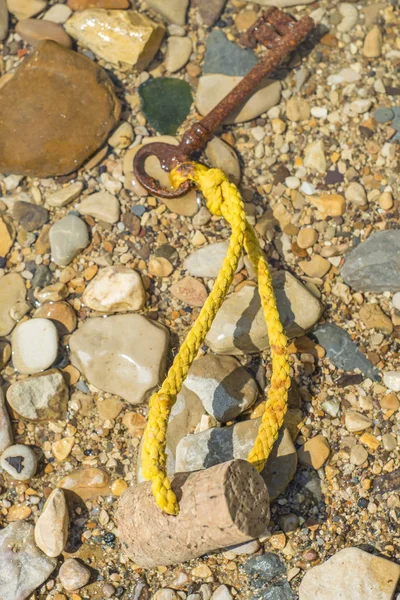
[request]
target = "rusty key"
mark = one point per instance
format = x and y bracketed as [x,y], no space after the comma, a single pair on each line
[276,30]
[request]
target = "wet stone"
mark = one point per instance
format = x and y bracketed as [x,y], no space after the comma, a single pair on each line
[23,567]
[263,569]
[88,482]
[115,289]
[35,30]
[227,58]
[67,237]
[19,462]
[277,592]
[73,575]
[42,397]
[101,205]
[165,103]
[51,529]
[61,314]
[173,10]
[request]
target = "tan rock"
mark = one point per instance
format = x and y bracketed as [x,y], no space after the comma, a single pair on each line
[42,244]
[87,482]
[135,423]
[314,452]
[65,94]
[122,137]
[222,156]
[307,237]
[7,235]
[109,408]
[61,313]
[35,30]
[51,529]
[373,317]
[100,205]
[84,4]
[24,9]
[179,50]
[386,201]
[190,291]
[61,449]
[115,289]
[12,290]
[173,10]
[314,157]
[160,267]
[117,36]
[373,43]
[316,267]
[297,109]
[329,205]
[356,421]
[42,397]
[65,195]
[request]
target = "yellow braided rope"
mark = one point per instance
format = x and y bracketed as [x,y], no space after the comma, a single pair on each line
[222,198]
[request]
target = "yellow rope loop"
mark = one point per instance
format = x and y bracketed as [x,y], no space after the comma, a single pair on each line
[222,198]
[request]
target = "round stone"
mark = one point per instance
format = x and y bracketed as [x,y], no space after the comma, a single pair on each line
[34,345]
[61,314]
[19,462]
[73,575]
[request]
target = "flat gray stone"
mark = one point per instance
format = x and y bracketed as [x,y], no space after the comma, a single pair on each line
[374,265]
[23,567]
[207,260]
[227,58]
[67,238]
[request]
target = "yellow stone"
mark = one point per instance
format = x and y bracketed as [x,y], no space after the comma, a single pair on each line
[135,423]
[7,236]
[62,448]
[18,513]
[370,440]
[202,571]
[118,487]
[329,205]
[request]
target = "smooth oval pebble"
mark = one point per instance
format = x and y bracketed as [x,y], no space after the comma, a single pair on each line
[392,380]
[34,345]
[73,574]
[19,462]
[61,314]
[51,529]
[35,30]
[67,237]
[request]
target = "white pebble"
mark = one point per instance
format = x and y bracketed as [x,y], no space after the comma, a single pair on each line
[292,183]
[392,380]
[34,345]
[361,106]
[396,301]
[319,112]
[307,188]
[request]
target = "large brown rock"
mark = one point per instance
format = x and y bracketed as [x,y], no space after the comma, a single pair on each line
[56,111]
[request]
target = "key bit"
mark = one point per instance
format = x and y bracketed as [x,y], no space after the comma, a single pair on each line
[276,30]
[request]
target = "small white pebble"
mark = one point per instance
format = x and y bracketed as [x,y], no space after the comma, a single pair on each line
[292,183]
[396,301]
[392,380]
[307,188]
[319,112]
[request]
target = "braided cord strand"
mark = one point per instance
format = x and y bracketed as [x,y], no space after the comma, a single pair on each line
[222,198]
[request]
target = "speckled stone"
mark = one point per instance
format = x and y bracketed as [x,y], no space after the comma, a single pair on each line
[43,397]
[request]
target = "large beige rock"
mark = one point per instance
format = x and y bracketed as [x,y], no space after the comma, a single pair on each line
[47,102]
[213,88]
[122,354]
[117,36]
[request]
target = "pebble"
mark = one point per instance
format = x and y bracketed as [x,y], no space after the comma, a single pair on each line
[220,444]
[87,483]
[34,345]
[19,462]
[65,195]
[30,216]
[349,15]
[51,529]
[52,293]
[61,314]
[392,380]
[189,291]
[109,408]
[64,96]
[319,112]
[122,137]
[101,205]
[43,397]
[166,594]
[73,575]
[317,266]
[222,593]
[315,452]
[383,115]
[356,422]
[6,434]
[116,36]
[77,5]
[373,43]
[24,567]
[36,30]
[297,109]
[207,261]
[210,12]
[281,591]
[19,310]
[58,13]
[356,194]
[314,157]
[160,267]
[173,10]
[386,201]
[61,449]
[115,289]
[111,360]
[68,237]
[224,387]
[307,237]
[358,455]
[239,327]
[5,353]
[174,99]
[264,568]
[178,53]
[225,57]
[373,317]
[342,351]
[222,156]
[374,265]
[213,88]
[389,442]
[12,290]
[118,487]
[7,235]
[24,9]
[370,576]
[3,20]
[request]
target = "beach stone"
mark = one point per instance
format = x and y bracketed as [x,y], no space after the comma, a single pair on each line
[58,13]
[115,289]
[358,455]
[281,591]
[6,434]
[225,57]
[109,408]
[373,317]
[329,205]
[307,237]
[19,462]
[213,88]
[173,10]
[356,421]
[73,575]
[356,194]
[373,43]
[349,15]
[3,20]
[210,11]
[5,353]
[35,30]
[34,345]
[61,314]
[297,109]
[61,449]
[125,36]
[67,237]
[23,567]
[53,292]
[43,397]
[220,444]
[315,452]
[24,9]
[189,291]
[383,115]
[222,156]
[317,266]
[87,483]
[12,290]
[51,529]
[7,235]
[239,327]
[314,157]
[374,265]
[370,576]
[282,3]
[54,98]
[101,205]
[392,380]
[207,261]
[178,53]
[165,102]
[110,359]
[30,216]
[84,4]
[122,137]
[65,195]
[222,593]
[342,351]
[225,388]
[264,568]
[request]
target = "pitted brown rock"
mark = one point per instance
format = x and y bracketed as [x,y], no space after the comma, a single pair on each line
[44,108]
